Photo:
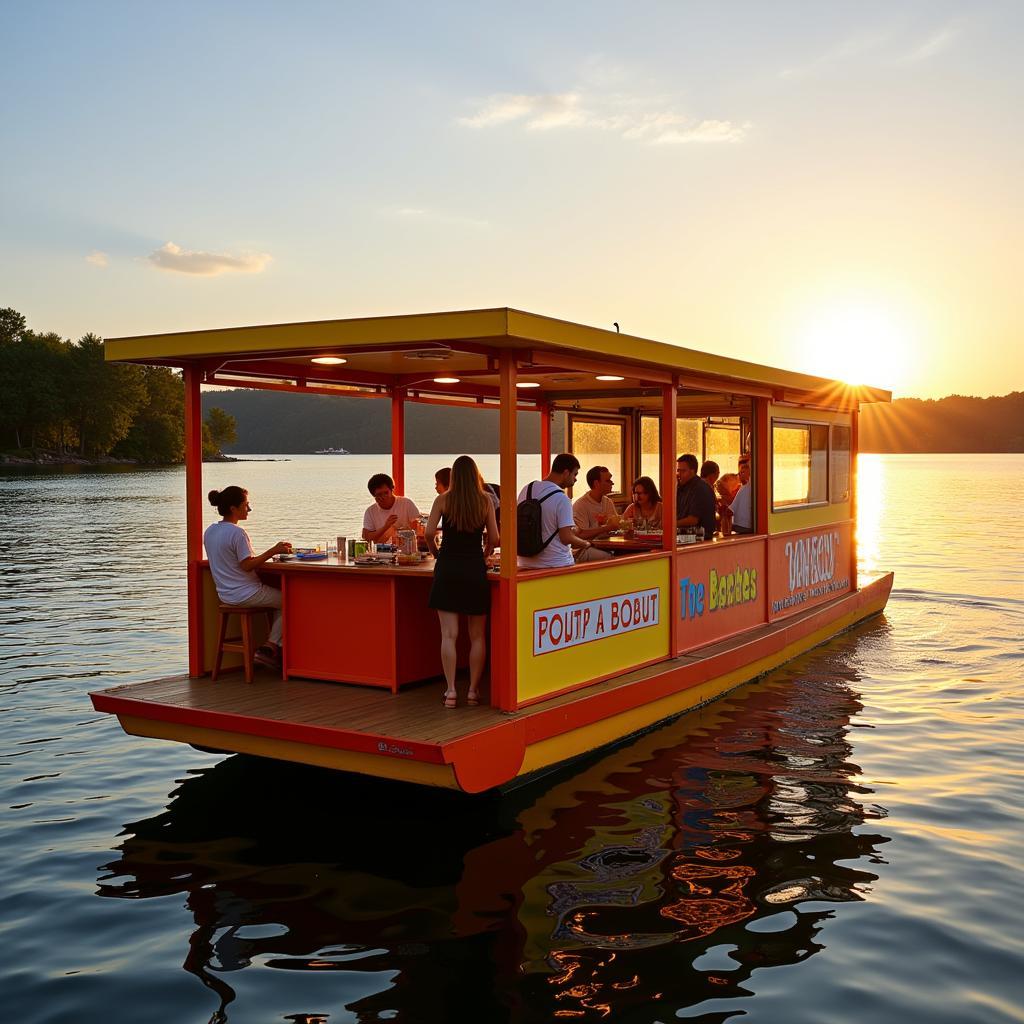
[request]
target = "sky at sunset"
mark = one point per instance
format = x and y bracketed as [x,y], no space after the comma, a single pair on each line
[829,188]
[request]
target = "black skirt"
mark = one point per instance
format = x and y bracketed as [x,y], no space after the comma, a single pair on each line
[460,585]
[460,574]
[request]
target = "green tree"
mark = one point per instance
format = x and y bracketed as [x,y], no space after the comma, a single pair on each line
[12,326]
[157,434]
[219,429]
[30,370]
[107,396]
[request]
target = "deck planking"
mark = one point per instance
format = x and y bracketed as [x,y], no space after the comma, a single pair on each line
[415,713]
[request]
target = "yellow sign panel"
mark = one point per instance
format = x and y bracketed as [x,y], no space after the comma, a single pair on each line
[591,623]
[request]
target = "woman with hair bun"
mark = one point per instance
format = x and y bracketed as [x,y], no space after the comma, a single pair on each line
[233,563]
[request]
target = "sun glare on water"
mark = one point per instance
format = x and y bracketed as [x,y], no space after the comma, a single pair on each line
[858,345]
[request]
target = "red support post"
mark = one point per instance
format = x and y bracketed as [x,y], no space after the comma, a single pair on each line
[398,439]
[854,456]
[761,481]
[760,468]
[669,396]
[194,516]
[504,672]
[545,439]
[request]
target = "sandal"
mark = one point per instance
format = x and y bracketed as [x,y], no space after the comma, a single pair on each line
[473,698]
[451,700]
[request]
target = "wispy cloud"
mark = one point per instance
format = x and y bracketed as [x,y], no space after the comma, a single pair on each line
[848,49]
[934,44]
[206,264]
[884,46]
[97,258]
[425,215]
[620,114]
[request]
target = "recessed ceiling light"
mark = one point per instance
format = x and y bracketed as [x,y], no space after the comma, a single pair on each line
[328,360]
[608,376]
[527,384]
[446,380]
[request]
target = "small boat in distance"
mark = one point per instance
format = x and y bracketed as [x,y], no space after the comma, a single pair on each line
[332,451]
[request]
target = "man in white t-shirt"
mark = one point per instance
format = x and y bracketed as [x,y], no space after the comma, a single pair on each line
[594,513]
[389,511]
[556,515]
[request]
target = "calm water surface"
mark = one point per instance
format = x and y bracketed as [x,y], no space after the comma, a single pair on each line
[840,842]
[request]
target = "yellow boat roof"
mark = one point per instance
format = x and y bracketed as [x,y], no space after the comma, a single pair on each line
[396,349]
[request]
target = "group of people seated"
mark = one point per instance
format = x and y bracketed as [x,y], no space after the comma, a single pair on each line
[713,502]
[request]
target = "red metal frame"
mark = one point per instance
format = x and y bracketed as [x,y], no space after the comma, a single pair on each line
[398,439]
[194,515]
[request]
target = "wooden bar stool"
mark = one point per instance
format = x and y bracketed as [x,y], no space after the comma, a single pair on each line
[245,642]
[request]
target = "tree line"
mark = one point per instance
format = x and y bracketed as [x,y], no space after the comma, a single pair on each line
[61,397]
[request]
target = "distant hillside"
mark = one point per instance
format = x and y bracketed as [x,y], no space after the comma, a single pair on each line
[275,422]
[954,424]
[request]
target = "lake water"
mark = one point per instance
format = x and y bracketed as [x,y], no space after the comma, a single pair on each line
[840,842]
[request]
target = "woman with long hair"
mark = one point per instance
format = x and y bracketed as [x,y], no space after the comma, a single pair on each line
[464,513]
[233,562]
[646,502]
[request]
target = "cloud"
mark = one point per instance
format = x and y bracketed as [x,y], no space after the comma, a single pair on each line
[884,45]
[206,264]
[705,131]
[933,44]
[854,46]
[620,114]
[97,258]
[424,215]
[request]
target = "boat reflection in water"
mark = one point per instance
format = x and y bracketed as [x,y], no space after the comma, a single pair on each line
[656,878]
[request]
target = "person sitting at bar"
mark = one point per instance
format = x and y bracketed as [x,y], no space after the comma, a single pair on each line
[743,469]
[695,501]
[710,473]
[233,562]
[443,479]
[557,524]
[646,506]
[594,513]
[741,508]
[727,486]
[389,511]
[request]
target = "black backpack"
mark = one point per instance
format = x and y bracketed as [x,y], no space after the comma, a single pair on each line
[529,528]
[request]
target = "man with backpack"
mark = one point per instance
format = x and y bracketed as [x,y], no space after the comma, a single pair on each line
[544,527]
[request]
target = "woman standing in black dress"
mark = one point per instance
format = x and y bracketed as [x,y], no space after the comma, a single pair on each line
[460,586]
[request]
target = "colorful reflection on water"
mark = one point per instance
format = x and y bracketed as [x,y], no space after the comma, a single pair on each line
[728,833]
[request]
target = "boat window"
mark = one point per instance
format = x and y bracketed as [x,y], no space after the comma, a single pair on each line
[799,464]
[598,443]
[716,439]
[722,443]
[690,437]
[839,464]
[650,447]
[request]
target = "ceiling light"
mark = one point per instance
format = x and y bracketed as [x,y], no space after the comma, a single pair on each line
[328,360]
[447,380]
[608,376]
[527,384]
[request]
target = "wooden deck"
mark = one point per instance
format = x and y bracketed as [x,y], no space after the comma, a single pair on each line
[416,713]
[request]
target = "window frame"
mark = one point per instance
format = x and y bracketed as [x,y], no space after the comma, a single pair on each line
[601,419]
[791,423]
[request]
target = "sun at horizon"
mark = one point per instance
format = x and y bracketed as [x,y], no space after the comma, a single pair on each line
[858,343]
